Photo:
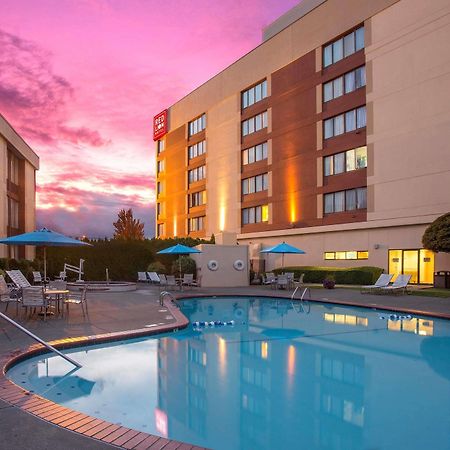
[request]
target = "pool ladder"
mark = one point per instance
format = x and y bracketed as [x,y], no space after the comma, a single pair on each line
[305,290]
[163,294]
[38,339]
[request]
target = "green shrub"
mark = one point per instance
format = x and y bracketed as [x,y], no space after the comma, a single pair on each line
[347,275]
[188,265]
[157,267]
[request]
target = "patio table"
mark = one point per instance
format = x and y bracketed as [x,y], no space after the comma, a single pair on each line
[56,295]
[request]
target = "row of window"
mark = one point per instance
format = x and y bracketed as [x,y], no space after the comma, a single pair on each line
[343,47]
[197,174]
[255,184]
[348,200]
[160,166]
[255,153]
[347,255]
[197,149]
[197,199]
[13,168]
[344,84]
[197,125]
[344,123]
[13,213]
[254,94]
[255,214]
[254,124]
[353,159]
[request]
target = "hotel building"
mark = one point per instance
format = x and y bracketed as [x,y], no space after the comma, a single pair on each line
[332,135]
[18,165]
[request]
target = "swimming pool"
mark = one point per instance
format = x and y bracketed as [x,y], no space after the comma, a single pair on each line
[277,376]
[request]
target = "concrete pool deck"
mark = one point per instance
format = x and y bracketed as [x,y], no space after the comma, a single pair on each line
[123,311]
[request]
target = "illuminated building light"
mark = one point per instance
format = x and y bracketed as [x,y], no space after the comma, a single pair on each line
[222,218]
[175,225]
[222,356]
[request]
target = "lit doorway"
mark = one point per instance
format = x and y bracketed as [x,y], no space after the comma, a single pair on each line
[418,263]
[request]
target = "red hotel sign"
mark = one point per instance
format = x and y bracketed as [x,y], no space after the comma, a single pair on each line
[160,125]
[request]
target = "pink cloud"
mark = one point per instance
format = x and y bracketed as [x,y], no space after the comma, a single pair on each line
[81,81]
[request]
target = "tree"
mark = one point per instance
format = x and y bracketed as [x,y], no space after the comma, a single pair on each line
[437,235]
[127,227]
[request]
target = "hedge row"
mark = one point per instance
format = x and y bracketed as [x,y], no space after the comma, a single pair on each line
[350,275]
[123,259]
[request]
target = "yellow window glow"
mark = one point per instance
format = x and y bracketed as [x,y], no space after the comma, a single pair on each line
[350,320]
[265,213]
[363,255]
[264,350]
[329,255]
[328,317]
[340,255]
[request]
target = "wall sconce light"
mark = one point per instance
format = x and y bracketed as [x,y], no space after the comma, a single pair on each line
[376,246]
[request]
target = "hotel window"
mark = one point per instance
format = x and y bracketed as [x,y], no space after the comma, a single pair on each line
[13,213]
[159,209]
[255,184]
[160,166]
[160,229]
[255,153]
[13,168]
[344,123]
[159,187]
[197,149]
[348,200]
[256,214]
[353,159]
[347,255]
[254,124]
[160,145]
[196,223]
[197,125]
[197,174]
[344,84]
[254,94]
[197,199]
[343,47]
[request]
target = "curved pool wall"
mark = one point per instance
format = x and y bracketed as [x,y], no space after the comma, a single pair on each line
[278,375]
[111,286]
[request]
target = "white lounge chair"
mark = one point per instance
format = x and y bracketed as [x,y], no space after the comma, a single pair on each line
[8,295]
[383,280]
[142,276]
[171,281]
[18,278]
[399,286]
[154,278]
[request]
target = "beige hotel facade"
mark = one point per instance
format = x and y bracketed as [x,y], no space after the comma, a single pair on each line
[18,165]
[332,135]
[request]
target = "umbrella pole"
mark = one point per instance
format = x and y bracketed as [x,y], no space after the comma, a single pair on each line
[45,264]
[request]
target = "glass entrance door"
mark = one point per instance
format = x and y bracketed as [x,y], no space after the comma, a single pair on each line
[417,263]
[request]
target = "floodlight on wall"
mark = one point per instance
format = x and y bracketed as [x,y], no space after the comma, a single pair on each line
[376,246]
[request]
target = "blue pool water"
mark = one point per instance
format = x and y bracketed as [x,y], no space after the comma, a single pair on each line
[282,376]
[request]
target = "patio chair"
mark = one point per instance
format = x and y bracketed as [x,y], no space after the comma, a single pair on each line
[78,298]
[9,295]
[154,278]
[188,279]
[142,276]
[18,278]
[383,280]
[290,277]
[282,282]
[171,281]
[270,279]
[62,276]
[399,286]
[33,297]
[59,285]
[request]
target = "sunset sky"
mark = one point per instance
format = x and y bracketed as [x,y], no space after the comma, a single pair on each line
[80,80]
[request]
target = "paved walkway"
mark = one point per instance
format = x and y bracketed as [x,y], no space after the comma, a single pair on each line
[111,312]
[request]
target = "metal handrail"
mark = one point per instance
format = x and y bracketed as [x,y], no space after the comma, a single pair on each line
[163,294]
[38,339]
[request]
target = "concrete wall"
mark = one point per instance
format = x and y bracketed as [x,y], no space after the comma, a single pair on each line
[225,256]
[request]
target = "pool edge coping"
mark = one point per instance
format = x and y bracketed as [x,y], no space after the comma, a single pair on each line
[104,431]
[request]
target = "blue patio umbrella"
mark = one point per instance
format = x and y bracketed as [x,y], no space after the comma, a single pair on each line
[43,238]
[283,248]
[178,249]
